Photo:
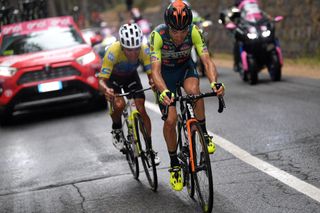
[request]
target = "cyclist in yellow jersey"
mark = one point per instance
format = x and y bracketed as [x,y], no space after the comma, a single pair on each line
[119,71]
[171,62]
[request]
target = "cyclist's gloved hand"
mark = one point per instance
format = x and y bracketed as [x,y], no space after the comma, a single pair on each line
[219,90]
[164,99]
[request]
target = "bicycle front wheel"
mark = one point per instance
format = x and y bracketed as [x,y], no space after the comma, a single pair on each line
[147,153]
[183,156]
[202,172]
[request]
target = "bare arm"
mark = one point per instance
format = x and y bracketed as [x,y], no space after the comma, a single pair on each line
[157,77]
[210,68]
[108,92]
[211,72]
[159,82]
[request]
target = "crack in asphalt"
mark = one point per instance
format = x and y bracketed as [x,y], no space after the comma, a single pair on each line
[268,200]
[286,164]
[57,185]
[82,197]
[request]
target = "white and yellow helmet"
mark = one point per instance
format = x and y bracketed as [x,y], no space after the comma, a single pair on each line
[130,36]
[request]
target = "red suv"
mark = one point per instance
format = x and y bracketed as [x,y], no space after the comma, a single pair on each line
[44,62]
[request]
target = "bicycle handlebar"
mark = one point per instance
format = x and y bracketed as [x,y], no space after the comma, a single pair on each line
[195,97]
[132,92]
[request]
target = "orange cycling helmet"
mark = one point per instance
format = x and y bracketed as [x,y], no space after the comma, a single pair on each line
[178,15]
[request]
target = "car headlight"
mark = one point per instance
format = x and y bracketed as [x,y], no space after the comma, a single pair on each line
[7,71]
[252,35]
[86,59]
[266,33]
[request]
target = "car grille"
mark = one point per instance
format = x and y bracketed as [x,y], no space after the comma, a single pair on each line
[40,75]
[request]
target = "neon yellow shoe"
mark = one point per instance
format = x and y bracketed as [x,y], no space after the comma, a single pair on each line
[210,144]
[175,178]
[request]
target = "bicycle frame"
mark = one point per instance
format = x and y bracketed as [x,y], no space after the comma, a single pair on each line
[188,117]
[129,113]
[137,142]
[188,127]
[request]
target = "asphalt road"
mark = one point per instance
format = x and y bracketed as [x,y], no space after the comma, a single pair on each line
[62,160]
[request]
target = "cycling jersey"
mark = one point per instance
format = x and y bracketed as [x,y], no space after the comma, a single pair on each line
[176,62]
[127,84]
[116,63]
[163,49]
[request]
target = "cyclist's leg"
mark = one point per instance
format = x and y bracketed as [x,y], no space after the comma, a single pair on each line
[191,86]
[117,107]
[171,77]
[170,135]
[118,103]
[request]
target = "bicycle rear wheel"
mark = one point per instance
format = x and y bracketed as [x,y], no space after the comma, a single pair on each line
[183,155]
[202,174]
[147,154]
[130,152]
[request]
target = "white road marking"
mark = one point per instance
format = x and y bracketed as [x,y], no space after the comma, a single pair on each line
[295,183]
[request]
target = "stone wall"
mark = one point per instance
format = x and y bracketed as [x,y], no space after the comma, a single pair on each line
[299,32]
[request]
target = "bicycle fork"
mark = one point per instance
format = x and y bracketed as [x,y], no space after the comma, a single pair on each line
[134,129]
[188,124]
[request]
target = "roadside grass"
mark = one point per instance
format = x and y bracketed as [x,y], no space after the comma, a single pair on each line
[304,61]
[312,61]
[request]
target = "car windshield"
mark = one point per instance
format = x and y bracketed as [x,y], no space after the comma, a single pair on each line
[50,39]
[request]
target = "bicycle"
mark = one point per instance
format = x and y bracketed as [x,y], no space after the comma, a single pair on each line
[137,143]
[192,149]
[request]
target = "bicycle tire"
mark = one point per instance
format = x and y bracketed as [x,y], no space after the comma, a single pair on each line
[183,155]
[203,173]
[131,157]
[147,154]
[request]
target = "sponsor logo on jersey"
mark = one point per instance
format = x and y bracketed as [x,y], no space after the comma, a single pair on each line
[185,47]
[205,49]
[175,55]
[106,71]
[111,56]
[154,58]
[147,50]
[165,47]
